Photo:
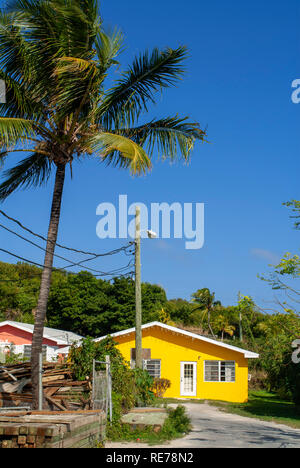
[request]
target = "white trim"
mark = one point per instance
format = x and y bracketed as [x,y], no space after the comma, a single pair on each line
[219,371]
[182,392]
[28,330]
[247,354]
[145,363]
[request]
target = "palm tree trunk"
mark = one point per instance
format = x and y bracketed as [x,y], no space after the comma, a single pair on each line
[208,321]
[40,316]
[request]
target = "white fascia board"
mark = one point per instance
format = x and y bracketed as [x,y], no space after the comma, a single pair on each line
[247,354]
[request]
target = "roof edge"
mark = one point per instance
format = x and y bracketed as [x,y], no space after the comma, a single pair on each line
[247,354]
[19,325]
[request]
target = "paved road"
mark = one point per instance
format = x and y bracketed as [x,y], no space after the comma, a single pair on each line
[214,428]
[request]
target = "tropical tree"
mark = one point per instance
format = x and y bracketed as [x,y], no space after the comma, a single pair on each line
[294,205]
[284,277]
[222,325]
[205,302]
[54,58]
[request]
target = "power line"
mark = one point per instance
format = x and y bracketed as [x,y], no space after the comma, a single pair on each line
[110,273]
[24,259]
[72,264]
[112,252]
[120,272]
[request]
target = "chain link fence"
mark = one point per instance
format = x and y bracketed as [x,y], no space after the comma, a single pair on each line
[102,385]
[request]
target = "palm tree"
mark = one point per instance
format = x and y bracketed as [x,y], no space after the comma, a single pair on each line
[222,324]
[54,58]
[205,302]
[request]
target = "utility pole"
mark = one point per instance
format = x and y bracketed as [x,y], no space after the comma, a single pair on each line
[240,318]
[241,328]
[138,293]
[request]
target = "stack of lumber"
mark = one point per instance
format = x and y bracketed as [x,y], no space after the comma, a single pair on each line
[41,429]
[60,390]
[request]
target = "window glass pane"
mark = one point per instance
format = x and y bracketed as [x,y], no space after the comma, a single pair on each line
[152,366]
[227,371]
[189,378]
[27,351]
[219,371]
[211,371]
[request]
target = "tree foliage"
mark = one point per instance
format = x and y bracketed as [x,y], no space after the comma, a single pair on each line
[77,302]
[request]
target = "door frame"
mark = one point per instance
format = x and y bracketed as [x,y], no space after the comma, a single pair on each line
[182,393]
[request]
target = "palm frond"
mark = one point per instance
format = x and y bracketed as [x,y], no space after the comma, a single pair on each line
[120,151]
[108,47]
[53,29]
[14,130]
[148,74]
[19,102]
[173,137]
[3,155]
[73,65]
[32,171]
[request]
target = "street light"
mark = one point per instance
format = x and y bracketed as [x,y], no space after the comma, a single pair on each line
[138,292]
[151,234]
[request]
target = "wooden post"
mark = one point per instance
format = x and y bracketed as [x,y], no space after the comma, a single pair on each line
[40,406]
[138,294]
[109,387]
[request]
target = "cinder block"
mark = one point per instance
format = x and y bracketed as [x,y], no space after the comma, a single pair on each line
[30,439]
[6,443]
[22,440]
[49,431]
[32,430]
[41,431]
[23,430]
[11,430]
[40,441]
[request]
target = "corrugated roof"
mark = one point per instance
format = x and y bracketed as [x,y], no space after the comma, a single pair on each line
[60,336]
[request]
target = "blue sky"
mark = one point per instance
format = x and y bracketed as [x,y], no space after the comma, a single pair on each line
[243,57]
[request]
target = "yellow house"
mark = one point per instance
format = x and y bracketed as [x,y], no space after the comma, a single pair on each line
[197,366]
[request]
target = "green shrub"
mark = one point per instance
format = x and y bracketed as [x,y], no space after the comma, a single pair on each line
[176,425]
[130,387]
[143,382]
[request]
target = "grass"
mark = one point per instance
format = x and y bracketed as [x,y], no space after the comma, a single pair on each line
[176,425]
[265,406]
[158,402]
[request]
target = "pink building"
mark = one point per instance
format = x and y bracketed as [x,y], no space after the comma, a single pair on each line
[16,337]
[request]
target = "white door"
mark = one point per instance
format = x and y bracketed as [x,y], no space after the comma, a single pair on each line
[188,378]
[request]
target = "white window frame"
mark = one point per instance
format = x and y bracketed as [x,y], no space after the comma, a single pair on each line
[145,363]
[219,371]
[148,361]
[26,353]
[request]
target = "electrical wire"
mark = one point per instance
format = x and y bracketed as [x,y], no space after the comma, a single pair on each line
[112,252]
[72,264]
[110,273]
[117,272]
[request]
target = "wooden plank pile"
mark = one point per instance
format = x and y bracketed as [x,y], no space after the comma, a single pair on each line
[60,389]
[80,429]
